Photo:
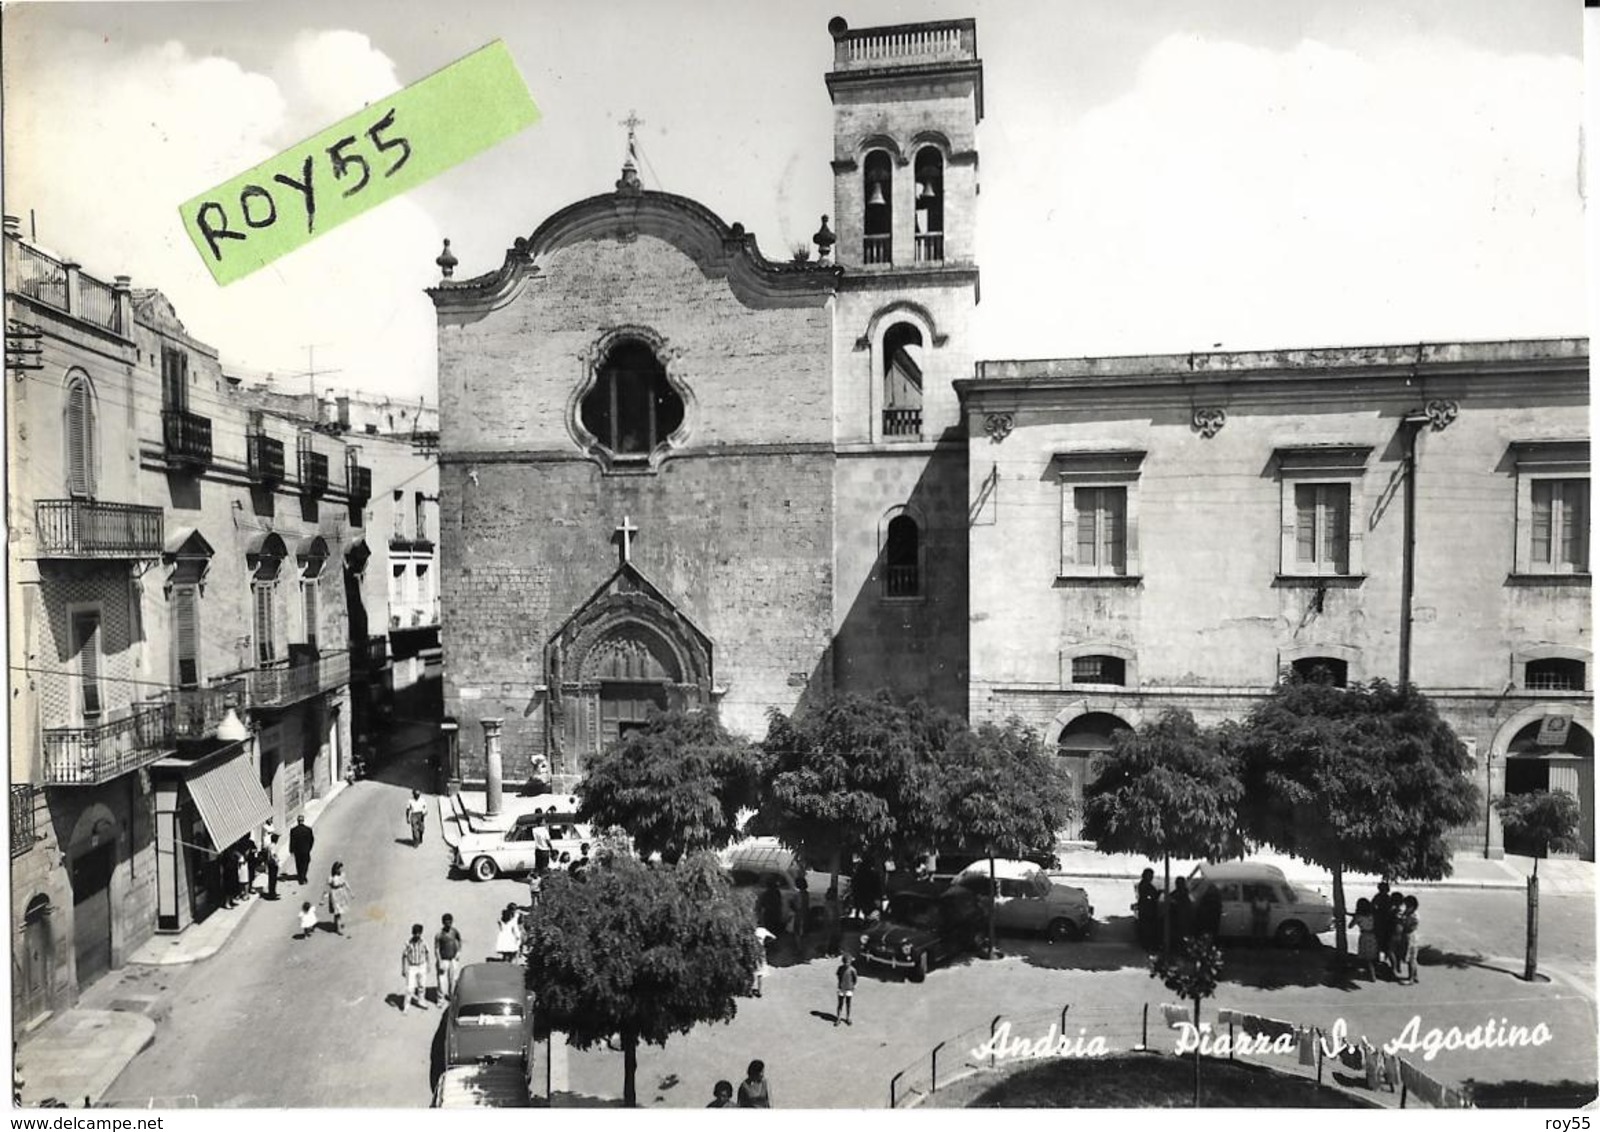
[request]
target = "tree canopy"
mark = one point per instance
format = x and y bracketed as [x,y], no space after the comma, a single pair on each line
[1166,789]
[639,952]
[1546,819]
[676,786]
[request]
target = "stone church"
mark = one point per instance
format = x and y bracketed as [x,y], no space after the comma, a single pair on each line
[677,472]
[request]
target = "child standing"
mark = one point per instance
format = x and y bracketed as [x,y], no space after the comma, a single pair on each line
[1367,945]
[763,938]
[308,920]
[847,989]
[1406,933]
[413,968]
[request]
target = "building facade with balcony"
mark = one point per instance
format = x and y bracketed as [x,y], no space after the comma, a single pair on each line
[168,568]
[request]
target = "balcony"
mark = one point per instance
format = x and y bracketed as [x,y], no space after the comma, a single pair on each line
[360,482]
[373,656]
[90,756]
[930,247]
[187,437]
[197,712]
[877,249]
[22,820]
[284,685]
[902,45]
[902,422]
[313,473]
[48,281]
[87,528]
[414,616]
[266,460]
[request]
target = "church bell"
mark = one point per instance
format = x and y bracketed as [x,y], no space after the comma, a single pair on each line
[876,196]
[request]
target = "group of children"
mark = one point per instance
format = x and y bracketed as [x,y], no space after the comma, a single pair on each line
[1388,926]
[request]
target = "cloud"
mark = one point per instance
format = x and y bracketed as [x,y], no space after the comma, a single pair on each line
[109,140]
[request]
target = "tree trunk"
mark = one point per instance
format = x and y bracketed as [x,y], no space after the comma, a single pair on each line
[1197,1054]
[994,900]
[1166,904]
[1531,966]
[1340,927]
[630,1068]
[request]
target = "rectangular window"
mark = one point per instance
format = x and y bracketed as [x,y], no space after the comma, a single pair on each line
[1559,526]
[266,648]
[422,516]
[86,643]
[1322,528]
[186,635]
[400,515]
[1102,528]
[308,603]
[174,379]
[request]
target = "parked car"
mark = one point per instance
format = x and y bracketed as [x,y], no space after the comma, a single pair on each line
[1295,914]
[488,855]
[754,863]
[490,1017]
[947,866]
[1028,900]
[497,1084]
[926,924]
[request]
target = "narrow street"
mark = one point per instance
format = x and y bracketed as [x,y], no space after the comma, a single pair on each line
[273,1021]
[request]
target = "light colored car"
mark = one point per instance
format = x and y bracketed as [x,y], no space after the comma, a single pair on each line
[1295,914]
[488,855]
[496,1084]
[754,863]
[1028,900]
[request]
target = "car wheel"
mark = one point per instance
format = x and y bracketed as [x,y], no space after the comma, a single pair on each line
[920,971]
[1293,934]
[483,868]
[1063,931]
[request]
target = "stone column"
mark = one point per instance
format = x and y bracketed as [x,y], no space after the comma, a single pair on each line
[491,760]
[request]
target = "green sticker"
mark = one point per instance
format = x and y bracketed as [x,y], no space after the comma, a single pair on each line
[392,146]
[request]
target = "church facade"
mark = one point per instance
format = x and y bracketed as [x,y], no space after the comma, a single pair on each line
[674,472]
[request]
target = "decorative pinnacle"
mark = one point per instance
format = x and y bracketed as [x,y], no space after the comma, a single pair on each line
[446,261]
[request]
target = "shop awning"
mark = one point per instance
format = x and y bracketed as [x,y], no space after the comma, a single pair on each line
[230,800]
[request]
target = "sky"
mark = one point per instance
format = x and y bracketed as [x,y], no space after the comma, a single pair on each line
[1156,176]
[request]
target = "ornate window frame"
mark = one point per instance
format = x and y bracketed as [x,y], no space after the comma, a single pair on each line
[593,360]
[1548,460]
[1118,468]
[1308,465]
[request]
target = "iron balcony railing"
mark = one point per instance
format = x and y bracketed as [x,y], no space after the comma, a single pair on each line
[930,247]
[45,280]
[92,755]
[283,685]
[360,482]
[877,249]
[313,472]
[266,459]
[188,437]
[902,422]
[88,528]
[22,820]
[901,581]
[198,712]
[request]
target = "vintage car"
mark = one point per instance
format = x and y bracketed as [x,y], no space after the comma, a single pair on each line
[490,1017]
[1028,900]
[1294,914]
[926,924]
[753,864]
[488,855]
[497,1084]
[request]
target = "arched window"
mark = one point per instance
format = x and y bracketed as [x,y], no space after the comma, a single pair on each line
[902,381]
[81,438]
[902,558]
[1098,668]
[632,407]
[1322,670]
[878,212]
[929,170]
[1554,674]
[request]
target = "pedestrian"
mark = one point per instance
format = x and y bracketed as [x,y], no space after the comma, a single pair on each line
[1147,910]
[301,839]
[1406,931]
[763,969]
[721,1095]
[847,990]
[1367,942]
[413,969]
[228,875]
[269,860]
[541,847]
[416,816]
[770,909]
[833,921]
[1181,912]
[754,1092]
[535,889]
[580,867]
[865,889]
[1382,921]
[1208,913]
[338,896]
[802,916]
[243,869]
[269,830]
[308,920]
[508,937]
[1397,949]
[252,865]
[447,954]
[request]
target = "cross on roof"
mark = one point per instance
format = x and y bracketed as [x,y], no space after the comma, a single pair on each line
[625,532]
[633,122]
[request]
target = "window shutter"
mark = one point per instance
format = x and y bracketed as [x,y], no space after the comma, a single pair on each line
[1543,514]
[1069,527]
[264,644]
[80,441]
[87,632]
[1087,506]
[309,603]
[1305,522]
[186,636]
[1114,525]
[1338,527]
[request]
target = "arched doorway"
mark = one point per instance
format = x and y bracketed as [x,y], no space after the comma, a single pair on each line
[1553,753]
[634,670]
[36,961]
[1081,741]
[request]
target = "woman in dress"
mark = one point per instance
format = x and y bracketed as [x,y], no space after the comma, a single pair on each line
[339,896]
[1367,944]
[754,1092]
[508,935]
[1147,906]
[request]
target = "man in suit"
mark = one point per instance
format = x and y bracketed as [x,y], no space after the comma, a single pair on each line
[301,839]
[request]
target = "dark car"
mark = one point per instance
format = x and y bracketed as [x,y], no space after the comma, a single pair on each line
[490,1016]
[925,924]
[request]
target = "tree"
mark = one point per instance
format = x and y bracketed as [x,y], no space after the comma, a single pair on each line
[1007,797]
[1192,975]
[1548,820]
[1367,778]
[639,952]
[676,786]
[1166,789]
[855,774]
